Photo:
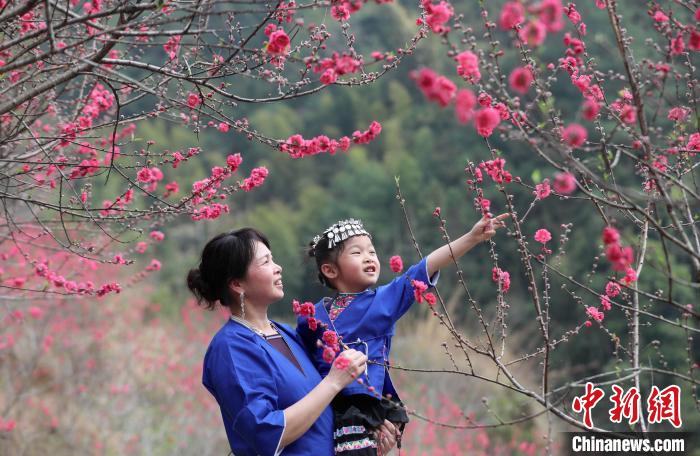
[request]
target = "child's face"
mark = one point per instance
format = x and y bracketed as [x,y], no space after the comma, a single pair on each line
[357,266]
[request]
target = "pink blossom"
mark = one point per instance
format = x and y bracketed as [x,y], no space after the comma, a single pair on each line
[610,235]
[520,80]
[677,45]
[486,120]
[620,257]
[468,66]
[630,275]
[234,161]
[157,236]
[693,142]
[330,337]
[659,16]
[328,354]
[564,183]
[465,101]
[550,13]
[172,46]
[278,43]
[594,313]
[573,14]
[193,100]
[396,263]
[605,302]
[418,290]
[430,299]
[256,179]
[591,108]
[437,15]
[223,127]
[313,323]
[512,14]
[575,135]
[533,34]
[340,12]
[177,158]
[171,188]
[144,175]
[543,236]
[612,289]
[368,135]
[7,425]
[502,278]
[329,76]
[496,170]
[36,312]
[485,99]
[678,114]
[341,363]
[141,247]
[694,40]
[154,266]
[542,190]
[306,309]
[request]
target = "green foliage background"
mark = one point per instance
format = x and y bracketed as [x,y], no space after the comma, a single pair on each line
[427,149]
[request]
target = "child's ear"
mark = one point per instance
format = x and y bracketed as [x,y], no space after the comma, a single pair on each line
[329,270]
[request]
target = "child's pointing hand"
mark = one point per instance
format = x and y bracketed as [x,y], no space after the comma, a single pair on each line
[485,228]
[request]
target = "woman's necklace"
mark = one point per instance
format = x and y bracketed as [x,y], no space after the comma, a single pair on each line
[257,331]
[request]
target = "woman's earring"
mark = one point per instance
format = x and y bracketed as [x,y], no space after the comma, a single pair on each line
[242,296]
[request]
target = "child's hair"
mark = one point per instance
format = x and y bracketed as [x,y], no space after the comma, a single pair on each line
[326,247]
[323,255]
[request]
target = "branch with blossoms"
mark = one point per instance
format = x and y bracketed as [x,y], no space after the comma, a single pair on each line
[619,293]
[636,166]
[77,80]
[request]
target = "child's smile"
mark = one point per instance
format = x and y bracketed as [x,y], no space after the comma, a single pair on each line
[358,265]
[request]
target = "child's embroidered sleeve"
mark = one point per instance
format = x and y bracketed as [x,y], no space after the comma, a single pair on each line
[308,335]
[397,296]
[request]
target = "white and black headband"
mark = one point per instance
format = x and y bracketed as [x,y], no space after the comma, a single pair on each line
[340,231]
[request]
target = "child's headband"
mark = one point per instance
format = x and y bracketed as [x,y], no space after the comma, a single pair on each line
[340,231]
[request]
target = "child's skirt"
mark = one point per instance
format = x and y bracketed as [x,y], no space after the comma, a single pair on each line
[357,417]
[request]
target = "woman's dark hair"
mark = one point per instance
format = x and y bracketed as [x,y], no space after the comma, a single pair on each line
[226,257]
[324,255]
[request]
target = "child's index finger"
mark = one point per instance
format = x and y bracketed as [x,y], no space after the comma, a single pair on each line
[502,216]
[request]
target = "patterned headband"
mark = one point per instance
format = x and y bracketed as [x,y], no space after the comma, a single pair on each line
[338,232]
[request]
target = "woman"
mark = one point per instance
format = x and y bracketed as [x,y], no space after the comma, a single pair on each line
[272,399]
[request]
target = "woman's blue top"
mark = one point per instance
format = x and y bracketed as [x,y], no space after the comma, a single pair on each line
[253,383]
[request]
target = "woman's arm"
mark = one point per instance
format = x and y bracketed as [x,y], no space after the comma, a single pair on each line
[482,230]
[301,415]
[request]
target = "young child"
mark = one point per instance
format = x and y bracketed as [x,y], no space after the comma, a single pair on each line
[364,318]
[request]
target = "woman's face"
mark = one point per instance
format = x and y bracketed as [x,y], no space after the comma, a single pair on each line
[263,281]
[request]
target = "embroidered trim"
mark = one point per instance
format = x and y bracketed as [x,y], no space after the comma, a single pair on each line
[355,445]
[345,430]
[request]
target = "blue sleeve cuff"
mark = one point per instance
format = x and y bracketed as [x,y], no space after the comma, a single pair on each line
[262,429]
[431,281]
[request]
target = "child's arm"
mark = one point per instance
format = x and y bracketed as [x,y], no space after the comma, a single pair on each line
[482,230]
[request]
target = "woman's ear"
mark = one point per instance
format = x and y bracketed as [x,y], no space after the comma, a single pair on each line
[329,270]
[236,287]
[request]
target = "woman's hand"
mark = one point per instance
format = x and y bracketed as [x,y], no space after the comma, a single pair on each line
[347,367]
[386,437]
[484,229]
